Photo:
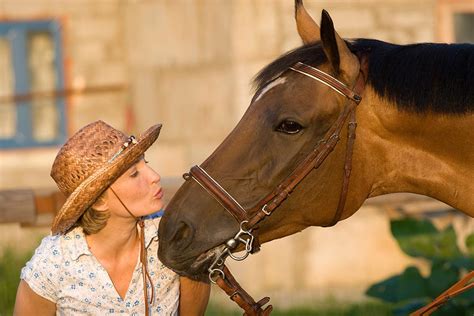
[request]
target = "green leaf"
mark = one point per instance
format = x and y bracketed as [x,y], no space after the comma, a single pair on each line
[443,276]
[11,263]
[451,309]
[465,263]
[408,307]
[408,285]
[464,300]
[470,244]
[419,238]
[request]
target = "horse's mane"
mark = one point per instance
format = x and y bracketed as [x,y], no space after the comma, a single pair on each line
[419,77]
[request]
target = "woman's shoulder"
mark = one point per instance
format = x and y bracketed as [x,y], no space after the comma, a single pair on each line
[55,247]
[43,272]
[49,244]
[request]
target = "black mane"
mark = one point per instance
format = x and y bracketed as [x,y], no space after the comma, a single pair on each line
[419,77]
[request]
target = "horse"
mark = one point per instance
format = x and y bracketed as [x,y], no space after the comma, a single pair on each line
[375,118]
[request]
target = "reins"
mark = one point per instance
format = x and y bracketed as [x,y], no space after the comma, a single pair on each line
[143,259]
[466,283]
[248,220]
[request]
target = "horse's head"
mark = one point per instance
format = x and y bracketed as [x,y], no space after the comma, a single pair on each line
[289,114]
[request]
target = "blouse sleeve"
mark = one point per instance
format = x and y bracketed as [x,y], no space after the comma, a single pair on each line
[42,273]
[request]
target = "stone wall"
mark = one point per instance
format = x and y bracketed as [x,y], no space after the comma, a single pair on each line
[188,64]
[192,62]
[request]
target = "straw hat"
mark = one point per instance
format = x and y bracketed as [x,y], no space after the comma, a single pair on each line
[89,162]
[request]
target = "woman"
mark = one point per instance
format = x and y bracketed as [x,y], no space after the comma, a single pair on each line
[101,257]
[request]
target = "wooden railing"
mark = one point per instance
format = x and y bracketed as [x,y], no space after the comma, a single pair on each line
[28,207]
[38,207]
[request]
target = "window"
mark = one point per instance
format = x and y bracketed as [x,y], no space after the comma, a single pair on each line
[31,71]
[456,21]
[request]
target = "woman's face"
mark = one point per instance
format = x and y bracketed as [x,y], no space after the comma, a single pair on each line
[140,190]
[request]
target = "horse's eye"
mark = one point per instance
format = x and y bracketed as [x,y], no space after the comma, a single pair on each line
[289,127]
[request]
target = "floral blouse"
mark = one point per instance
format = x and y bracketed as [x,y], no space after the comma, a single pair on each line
[64,271]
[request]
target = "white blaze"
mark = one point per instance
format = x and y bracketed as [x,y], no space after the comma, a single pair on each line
[271,85]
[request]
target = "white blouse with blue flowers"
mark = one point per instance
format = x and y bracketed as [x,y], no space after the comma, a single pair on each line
[64,271]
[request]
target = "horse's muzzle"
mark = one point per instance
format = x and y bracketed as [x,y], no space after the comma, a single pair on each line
[174,241]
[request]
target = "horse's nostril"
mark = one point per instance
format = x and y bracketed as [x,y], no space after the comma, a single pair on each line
[183,236]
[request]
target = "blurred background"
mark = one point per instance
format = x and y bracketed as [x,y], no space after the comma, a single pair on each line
[188,64]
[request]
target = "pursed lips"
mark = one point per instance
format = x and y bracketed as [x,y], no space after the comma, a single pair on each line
[158,194]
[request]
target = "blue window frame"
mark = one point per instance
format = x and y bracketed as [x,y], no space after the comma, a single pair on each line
[17,35]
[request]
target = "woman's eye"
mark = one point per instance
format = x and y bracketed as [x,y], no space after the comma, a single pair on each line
[289,127]
[134,174]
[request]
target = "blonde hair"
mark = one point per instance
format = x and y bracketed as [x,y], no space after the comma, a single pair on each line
[93,220]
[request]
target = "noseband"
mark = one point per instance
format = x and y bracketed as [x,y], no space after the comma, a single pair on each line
[249,219]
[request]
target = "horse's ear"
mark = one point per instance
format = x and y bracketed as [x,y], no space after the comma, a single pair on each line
[336,50]
[307,28]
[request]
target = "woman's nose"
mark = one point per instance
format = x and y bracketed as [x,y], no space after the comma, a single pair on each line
[155,177]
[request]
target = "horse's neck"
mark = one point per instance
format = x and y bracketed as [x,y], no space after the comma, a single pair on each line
[429,154]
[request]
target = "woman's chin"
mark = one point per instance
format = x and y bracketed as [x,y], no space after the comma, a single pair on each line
[158,205]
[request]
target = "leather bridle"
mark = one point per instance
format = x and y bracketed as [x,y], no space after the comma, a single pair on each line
[218,272]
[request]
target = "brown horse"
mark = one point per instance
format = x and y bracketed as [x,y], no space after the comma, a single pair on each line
[415,133]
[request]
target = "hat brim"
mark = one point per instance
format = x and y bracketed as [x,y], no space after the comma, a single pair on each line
[91,188]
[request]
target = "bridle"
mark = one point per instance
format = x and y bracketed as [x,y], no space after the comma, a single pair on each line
[247,235]
[218,272]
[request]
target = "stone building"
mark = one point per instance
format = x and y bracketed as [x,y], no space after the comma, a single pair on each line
[187,64]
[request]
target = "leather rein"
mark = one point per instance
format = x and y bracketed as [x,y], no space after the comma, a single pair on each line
[247,235]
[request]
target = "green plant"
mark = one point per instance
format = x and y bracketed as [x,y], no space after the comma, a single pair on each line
[10,267]
[410,290]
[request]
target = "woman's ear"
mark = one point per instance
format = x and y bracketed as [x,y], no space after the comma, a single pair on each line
[102,202]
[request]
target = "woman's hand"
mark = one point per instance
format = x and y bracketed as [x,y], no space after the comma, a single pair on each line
[29,303]
[194,296]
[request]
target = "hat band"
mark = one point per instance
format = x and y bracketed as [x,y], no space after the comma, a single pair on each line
[130,140]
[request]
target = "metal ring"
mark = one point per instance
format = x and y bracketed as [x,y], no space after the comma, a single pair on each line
[242,230]
[237,258]
[212,273]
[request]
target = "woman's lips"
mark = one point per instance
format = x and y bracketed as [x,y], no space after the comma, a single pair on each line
[158,194]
